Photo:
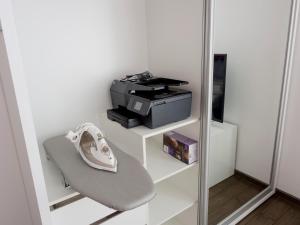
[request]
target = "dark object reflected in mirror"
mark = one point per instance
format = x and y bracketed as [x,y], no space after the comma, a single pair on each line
[220,61]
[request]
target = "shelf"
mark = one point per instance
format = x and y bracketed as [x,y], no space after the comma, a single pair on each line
[169,202]
[146,132]
[160,165]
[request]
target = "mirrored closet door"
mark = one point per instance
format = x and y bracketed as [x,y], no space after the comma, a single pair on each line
[248,61]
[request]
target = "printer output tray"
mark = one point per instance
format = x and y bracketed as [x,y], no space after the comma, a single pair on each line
[123,116]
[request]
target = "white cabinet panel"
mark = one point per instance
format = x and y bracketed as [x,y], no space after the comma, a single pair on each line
[82,212]
[137,216]
[289,176]
[222,155]
[86,211]
[12,191]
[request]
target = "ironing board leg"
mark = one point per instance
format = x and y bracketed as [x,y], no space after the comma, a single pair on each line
[66,183]
[107,218]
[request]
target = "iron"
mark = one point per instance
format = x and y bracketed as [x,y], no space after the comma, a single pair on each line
[93,148]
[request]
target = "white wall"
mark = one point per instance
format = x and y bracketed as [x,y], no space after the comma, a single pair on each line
[72,50]
[253,34]
[289,176]
[175,42]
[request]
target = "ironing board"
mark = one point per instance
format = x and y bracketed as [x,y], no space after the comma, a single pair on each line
[127,189]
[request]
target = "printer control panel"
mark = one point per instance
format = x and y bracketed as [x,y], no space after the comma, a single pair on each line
[139,105]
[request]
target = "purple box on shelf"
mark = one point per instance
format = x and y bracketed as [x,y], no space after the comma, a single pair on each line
[181,147]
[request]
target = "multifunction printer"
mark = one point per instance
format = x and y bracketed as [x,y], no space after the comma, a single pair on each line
[143,99]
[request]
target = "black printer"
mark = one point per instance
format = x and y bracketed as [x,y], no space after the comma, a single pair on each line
[143,99]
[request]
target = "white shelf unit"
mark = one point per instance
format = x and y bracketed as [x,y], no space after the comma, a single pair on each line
[176,182]
[222,155]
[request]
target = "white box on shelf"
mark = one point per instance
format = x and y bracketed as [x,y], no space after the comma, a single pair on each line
[181,147]
[222,154]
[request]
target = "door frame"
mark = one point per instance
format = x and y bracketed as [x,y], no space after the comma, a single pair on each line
[205,120]
[18,105]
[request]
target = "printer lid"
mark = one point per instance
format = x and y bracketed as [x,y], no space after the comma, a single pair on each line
[147,82]
[162,82]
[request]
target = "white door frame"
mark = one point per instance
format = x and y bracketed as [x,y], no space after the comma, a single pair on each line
[16,96]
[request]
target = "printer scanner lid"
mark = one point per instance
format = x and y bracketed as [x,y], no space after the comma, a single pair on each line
[147,82]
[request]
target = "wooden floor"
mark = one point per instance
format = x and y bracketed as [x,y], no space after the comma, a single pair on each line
[229,195]
[278,210]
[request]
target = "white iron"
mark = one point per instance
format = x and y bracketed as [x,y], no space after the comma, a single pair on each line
[93,148]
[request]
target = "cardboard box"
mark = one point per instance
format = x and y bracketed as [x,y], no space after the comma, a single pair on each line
[181,147]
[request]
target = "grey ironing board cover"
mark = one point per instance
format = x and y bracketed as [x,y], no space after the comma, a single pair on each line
[127,189]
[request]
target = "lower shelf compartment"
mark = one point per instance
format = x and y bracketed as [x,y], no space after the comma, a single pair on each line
[169,202]
[188,217]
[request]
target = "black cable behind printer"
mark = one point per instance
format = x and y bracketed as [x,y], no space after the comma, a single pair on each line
[142,99]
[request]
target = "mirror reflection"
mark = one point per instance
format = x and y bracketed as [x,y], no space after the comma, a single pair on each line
[249,49]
